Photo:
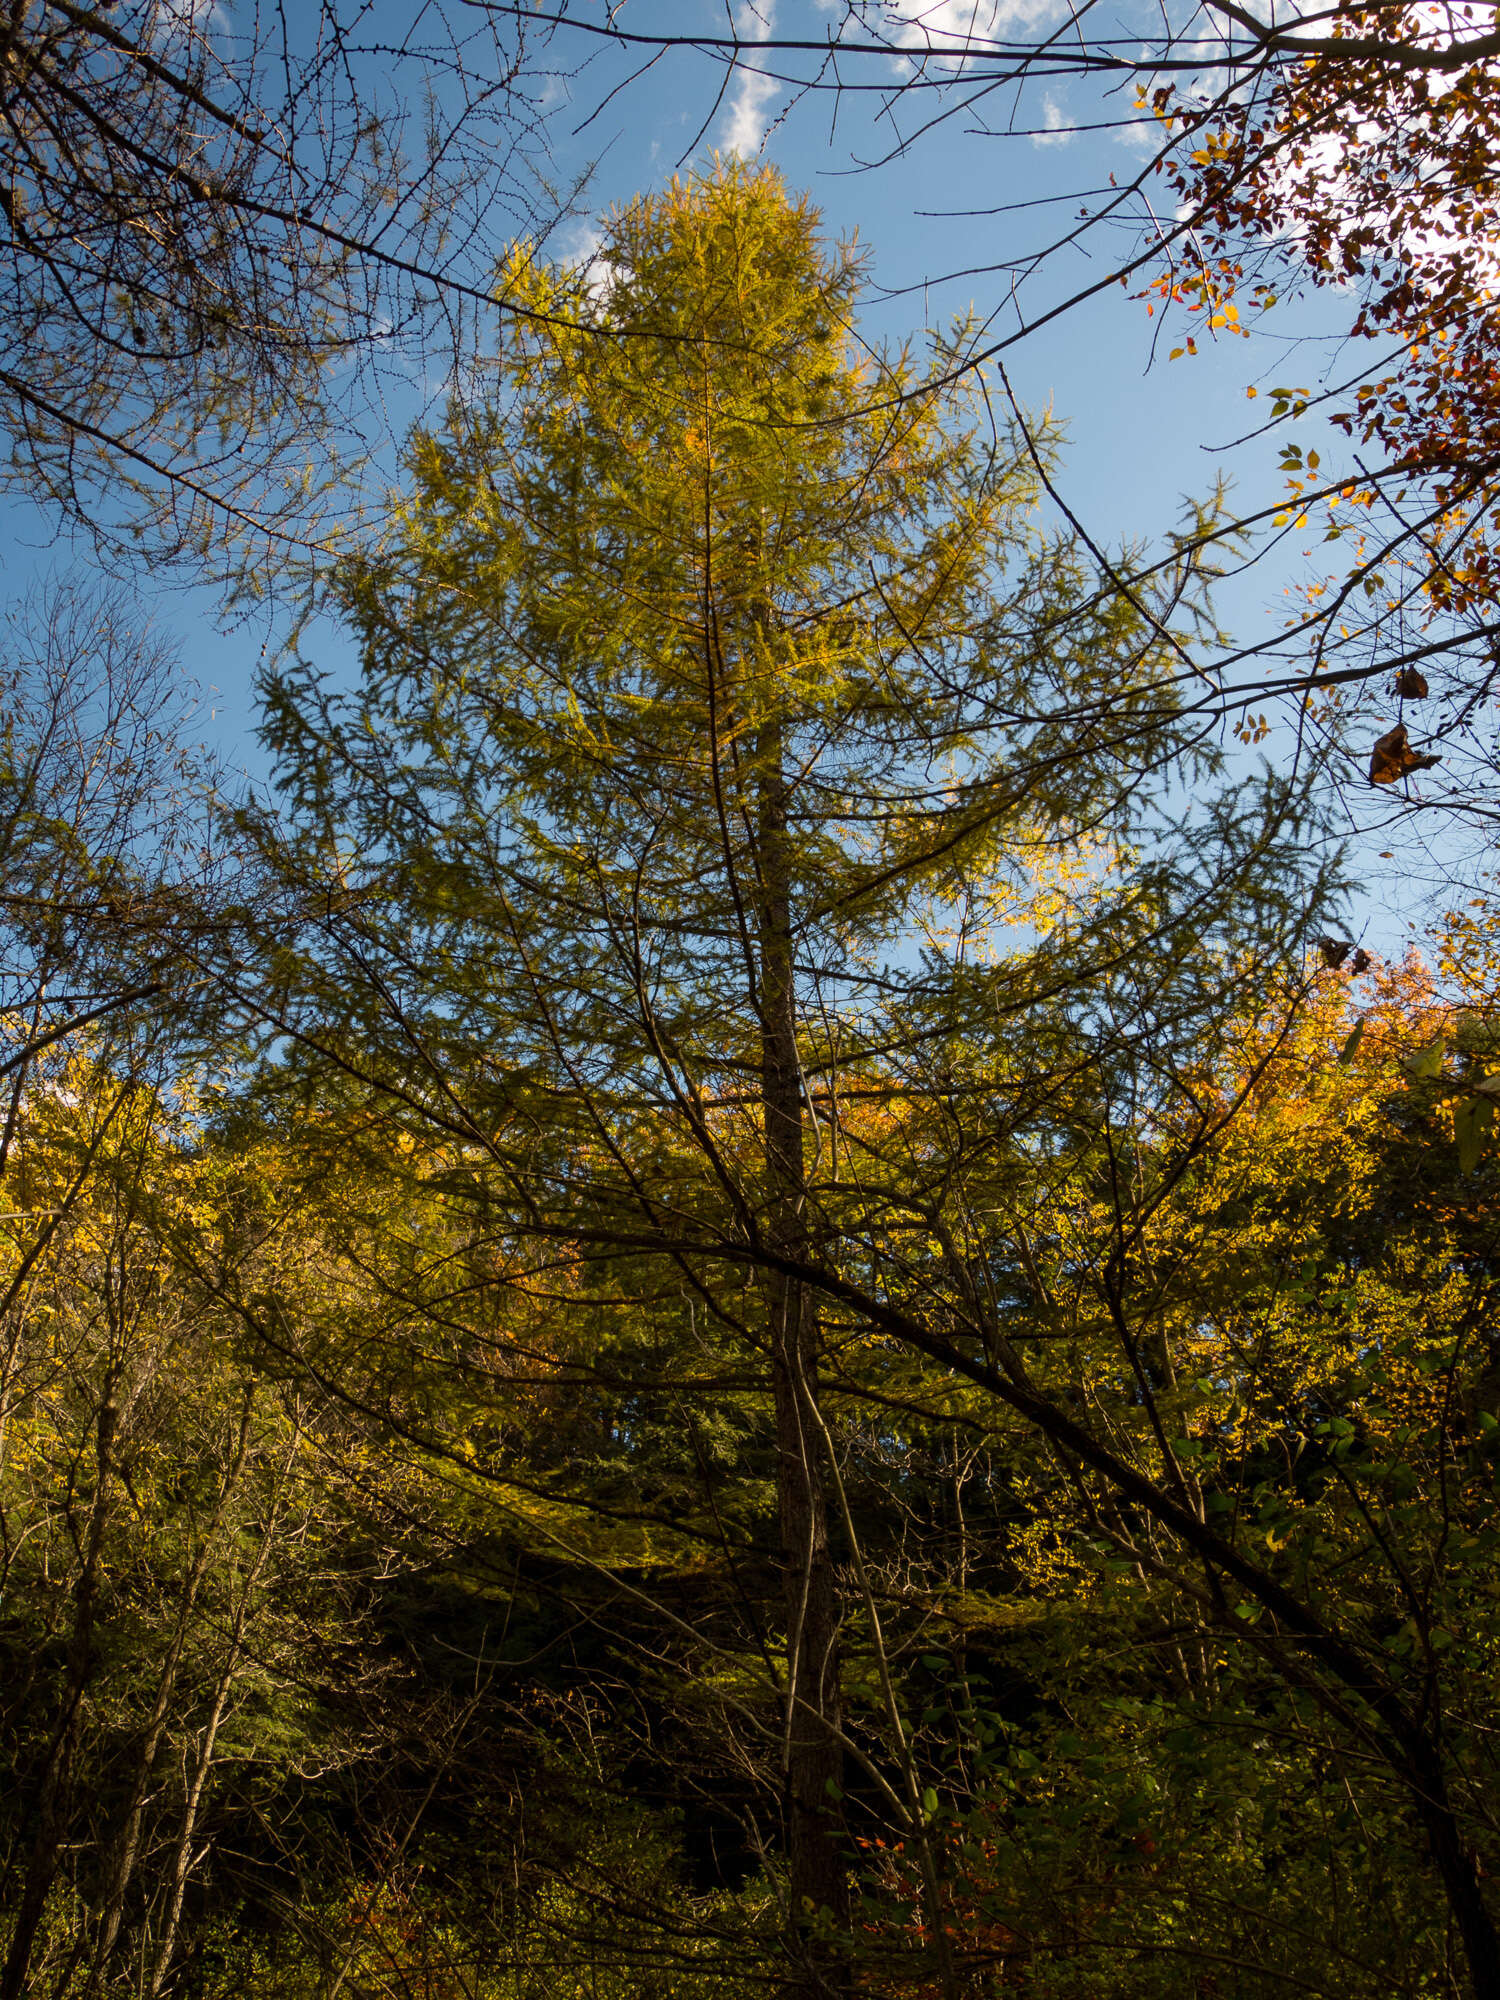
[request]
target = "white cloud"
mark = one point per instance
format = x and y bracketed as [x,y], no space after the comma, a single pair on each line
[578,249]
[957,30]
[181,20]
[580,243]
[1056,131]
[749,112]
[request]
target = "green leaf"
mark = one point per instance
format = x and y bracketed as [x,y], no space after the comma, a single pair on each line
[1426,1064]
[1472,1120]
[1352,1042]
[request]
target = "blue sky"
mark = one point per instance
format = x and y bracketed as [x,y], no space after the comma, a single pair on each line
[954,220]
[950,223]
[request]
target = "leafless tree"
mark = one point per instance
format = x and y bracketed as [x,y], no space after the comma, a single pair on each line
[225,239]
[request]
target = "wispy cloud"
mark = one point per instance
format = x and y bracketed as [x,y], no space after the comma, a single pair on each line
[1055,129]
[959,29]
[748,114]
[175,20]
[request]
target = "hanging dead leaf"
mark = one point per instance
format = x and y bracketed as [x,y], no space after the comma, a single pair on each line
[1334,951]
[1410,683]
[1393,758]
[1360,962]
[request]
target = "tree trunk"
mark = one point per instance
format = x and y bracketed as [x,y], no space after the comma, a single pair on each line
[55,1786]
[1455,1864]
[183,1858]
[812,1757]
[122,1859]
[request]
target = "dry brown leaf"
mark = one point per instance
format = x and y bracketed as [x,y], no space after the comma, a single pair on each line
[1393,758]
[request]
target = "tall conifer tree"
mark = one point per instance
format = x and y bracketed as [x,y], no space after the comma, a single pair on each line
[703,750]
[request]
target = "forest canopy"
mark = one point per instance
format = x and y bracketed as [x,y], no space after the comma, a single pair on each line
[746,1294]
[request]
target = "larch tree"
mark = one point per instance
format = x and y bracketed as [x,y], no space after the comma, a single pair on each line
[699,790]
[1343,156]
